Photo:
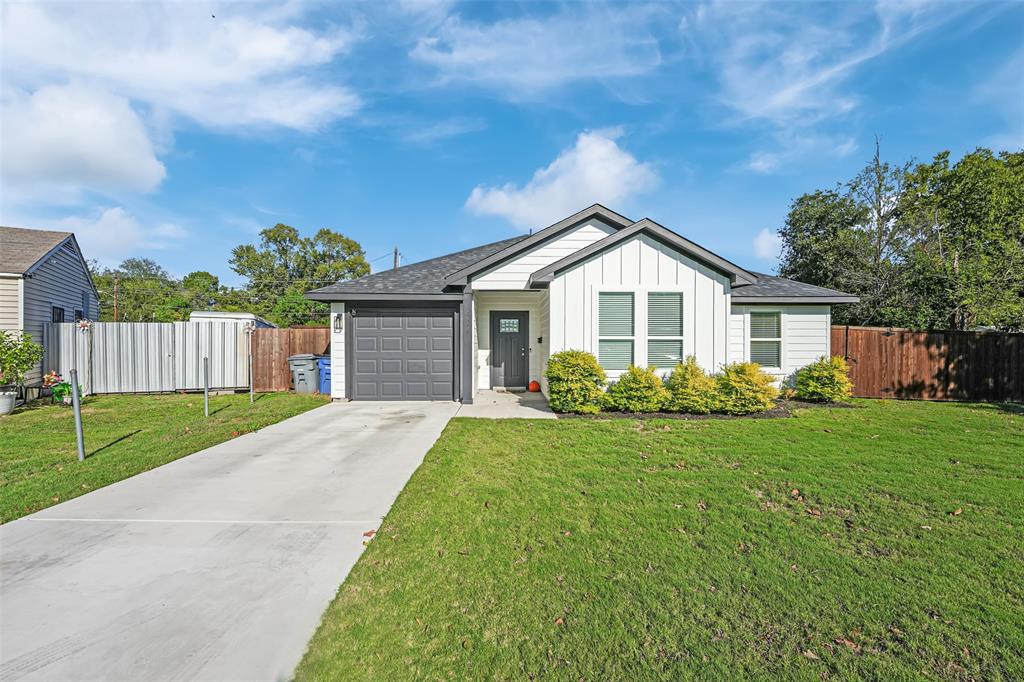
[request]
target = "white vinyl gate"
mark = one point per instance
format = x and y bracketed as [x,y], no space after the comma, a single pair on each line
[149,357]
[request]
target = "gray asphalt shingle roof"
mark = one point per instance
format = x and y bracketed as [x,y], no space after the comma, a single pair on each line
[769,286]
[425,277]
[21,248]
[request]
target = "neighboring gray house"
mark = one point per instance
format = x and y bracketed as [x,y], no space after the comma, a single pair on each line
[626,291]
[43,278]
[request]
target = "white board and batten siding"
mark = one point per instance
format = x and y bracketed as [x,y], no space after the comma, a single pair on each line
[337,351]
[642,265]
[514,274]
[806,335]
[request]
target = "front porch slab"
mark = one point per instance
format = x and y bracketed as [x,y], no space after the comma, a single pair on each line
[507,405]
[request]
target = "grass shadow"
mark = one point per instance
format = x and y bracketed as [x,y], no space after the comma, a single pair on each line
[113,442]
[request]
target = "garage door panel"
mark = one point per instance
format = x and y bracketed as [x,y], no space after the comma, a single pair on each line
[416,344]
[417,389]
[391,390]
[416,322]
[403,355]
[391,343]
[367,343]
[393,366]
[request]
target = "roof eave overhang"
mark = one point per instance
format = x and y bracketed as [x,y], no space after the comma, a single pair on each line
[340,297]
[737,275]
[461,277]
[795,300]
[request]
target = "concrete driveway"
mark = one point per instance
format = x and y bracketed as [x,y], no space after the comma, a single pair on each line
[215,567]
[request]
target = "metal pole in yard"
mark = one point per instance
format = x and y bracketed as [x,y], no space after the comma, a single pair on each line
[206,386]
[76,404]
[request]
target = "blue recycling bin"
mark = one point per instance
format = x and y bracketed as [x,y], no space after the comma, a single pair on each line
[324,364]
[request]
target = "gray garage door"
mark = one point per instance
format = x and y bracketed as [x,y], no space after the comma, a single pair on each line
[403,355]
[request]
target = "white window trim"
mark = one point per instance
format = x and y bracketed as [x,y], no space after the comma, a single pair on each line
[781,338]
[639,322]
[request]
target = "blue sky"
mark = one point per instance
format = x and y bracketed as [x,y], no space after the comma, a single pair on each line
[176,131]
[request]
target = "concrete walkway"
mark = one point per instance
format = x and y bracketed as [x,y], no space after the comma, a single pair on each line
[217,566]
[508,405]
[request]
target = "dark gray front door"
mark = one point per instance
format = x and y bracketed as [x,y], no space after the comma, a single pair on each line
[403,355]
[510,348]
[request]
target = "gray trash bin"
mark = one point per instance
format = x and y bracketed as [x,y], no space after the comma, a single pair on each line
[305,374]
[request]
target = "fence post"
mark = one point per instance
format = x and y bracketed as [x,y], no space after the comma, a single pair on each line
[206,386]
[76,404]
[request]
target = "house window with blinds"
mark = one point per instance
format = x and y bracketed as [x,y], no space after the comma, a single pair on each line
[766,339]
[615,329]
[664,329]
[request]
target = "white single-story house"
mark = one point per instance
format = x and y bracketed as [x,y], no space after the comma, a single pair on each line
[630,292]
[43,278]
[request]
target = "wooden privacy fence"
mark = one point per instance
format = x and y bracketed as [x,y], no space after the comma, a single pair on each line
[148,357]
[945,365]
[271,348]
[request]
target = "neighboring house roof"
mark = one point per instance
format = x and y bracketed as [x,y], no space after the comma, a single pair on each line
[646,226]
[445,276]
[771,289]
[426,278]
[21,249]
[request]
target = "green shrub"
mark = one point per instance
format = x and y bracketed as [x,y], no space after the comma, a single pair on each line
[744,388]
[690,389]
[18,354]
[575,382]
[827,381]
[637,390]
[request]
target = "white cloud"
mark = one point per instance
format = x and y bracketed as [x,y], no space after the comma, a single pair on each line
[108,83]
[767,244]
[791,147]
[789,68]
[110,235]
[442,130]
[240,69]
[595,169]
[61,134]
[526,56]
[763,162]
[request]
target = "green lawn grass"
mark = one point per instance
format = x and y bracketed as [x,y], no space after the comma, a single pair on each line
[883,541]
[124,435]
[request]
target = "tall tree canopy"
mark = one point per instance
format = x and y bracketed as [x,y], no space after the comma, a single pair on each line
[284,265]
[924,246]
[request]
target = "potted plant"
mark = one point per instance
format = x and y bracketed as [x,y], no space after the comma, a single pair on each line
[18,354]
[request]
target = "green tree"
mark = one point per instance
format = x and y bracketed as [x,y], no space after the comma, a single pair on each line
[144,292]
[202,290]
[284,265]
[967,267]
[923,246]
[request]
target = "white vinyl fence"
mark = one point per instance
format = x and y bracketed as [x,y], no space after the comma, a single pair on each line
[149,357]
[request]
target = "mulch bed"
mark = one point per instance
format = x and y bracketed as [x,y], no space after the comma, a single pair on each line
[782,409]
